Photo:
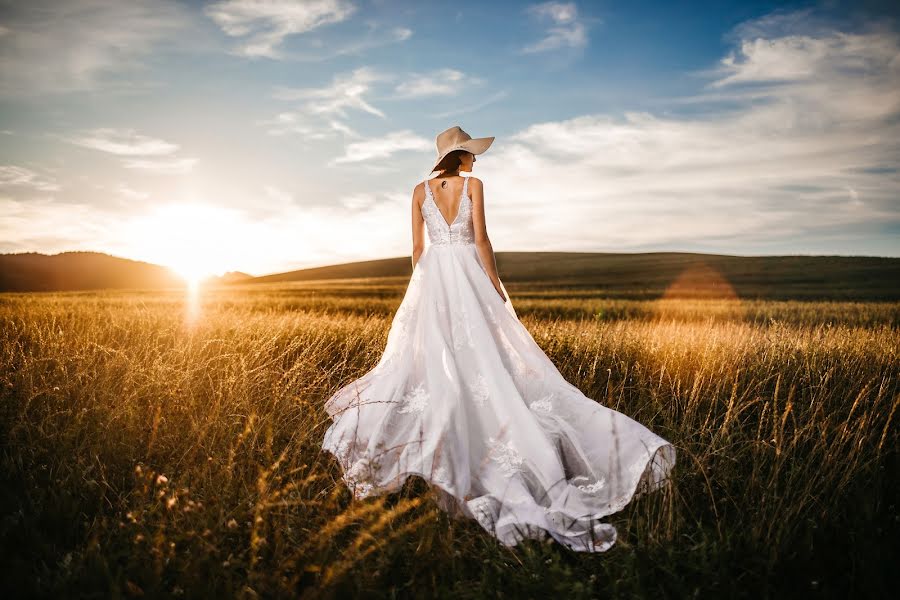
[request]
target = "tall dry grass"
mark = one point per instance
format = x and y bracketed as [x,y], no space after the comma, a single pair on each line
[144,454]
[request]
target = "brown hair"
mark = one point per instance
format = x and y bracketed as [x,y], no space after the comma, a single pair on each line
[451,162]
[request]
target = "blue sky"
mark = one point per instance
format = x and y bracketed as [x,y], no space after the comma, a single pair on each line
[265,136]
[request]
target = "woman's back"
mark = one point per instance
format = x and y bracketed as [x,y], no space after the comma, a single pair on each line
[455,228]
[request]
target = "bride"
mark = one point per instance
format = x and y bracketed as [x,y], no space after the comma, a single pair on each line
[465,398]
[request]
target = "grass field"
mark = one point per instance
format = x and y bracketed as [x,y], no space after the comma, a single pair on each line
[157,449]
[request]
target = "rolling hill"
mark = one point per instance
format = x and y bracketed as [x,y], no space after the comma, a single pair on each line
[637,275]
[654,274]
[67,271]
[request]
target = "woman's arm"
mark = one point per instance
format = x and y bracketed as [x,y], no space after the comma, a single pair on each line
[482,241]
[418,224]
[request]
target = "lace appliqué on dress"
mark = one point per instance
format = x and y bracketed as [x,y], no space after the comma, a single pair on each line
[544,405]
[506,456]
[462,330]
[361,477]
[589,488]
[479,390]
[415,400]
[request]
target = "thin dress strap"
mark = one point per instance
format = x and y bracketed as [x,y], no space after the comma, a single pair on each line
[427,192]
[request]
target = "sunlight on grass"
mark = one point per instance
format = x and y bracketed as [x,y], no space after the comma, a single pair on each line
[143,457]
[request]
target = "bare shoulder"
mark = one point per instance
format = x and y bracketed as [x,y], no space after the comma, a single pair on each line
[476,184]
[418,195]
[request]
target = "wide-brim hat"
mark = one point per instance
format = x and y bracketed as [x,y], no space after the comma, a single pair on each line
[455,138]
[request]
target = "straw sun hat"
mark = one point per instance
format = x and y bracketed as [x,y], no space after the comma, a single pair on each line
[455,138]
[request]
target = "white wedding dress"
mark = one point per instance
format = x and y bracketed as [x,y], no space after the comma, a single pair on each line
[465,398]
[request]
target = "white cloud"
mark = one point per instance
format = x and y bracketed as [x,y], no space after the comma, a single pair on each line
[839,76]
[292,122]
[359,201]
[43,224]
[267,24]
[383,147]
[123,142]
[374,38]
[444,82]
[132,193]
[11,175]
[495,97]
[138,151]
[346,91]
[48,46]
[172,166]
[808,58]
[322,112]
[568,30]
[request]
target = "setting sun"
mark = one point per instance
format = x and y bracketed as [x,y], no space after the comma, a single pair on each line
[194,240]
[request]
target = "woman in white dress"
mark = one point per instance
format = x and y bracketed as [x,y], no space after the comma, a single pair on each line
[465,398]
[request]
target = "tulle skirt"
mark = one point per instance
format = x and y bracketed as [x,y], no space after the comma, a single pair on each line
[465,398]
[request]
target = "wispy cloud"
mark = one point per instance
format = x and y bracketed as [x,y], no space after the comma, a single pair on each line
[443,82]
[359,201]
[44,224]
[123,142]
[393,35]
[138,151]
[307,126]
[346,91]
[15,176]
[132,194]
[323,112]
[375,37]
[172,166]
[566,30]
[265,25]
[49,47]
[384,147]
[495,97]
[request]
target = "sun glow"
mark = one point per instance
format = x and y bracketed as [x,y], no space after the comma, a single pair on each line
[194,240]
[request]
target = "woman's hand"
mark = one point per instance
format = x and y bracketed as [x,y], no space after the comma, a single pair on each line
[500,291]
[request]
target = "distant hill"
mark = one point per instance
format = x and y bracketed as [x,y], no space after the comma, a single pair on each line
[656,274]
[383,267]
[637,275]
[35,272]
[230,277]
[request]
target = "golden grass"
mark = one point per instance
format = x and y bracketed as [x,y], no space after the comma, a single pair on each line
[143,454]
